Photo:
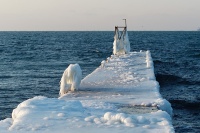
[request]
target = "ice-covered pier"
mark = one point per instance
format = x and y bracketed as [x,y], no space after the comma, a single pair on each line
[120,96]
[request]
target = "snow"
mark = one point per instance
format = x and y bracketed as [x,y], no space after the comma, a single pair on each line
[121,45]
[71,79]
[120,96]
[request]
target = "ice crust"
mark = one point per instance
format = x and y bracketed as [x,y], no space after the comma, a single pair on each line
[105,102]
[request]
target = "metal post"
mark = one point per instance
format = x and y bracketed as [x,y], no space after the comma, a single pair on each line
[125,22]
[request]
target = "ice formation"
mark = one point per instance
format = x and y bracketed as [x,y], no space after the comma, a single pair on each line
[121,44]
[71,79]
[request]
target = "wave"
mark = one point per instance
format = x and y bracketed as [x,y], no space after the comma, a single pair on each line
[5,77]
[42,76]
[162,62]
[29,76]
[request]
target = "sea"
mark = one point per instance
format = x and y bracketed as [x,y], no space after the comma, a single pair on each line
[32,63]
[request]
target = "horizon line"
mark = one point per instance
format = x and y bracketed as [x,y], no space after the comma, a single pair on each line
[86,30]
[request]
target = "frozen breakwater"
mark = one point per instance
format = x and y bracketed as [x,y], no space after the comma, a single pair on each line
[122,95]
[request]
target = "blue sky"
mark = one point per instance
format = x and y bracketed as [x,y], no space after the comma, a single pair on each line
[95,15]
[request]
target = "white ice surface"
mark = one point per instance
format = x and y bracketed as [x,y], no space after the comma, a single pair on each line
[117,97]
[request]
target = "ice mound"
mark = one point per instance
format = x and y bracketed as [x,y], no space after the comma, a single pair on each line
[71,79]
[139,123]
[41,113]
[121,44]
[112,119]
[164,105]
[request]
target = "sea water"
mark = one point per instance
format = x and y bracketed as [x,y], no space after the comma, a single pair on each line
[32,63]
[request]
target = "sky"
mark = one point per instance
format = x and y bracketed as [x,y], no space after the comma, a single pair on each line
[99,15]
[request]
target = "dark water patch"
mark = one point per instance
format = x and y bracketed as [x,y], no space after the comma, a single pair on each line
[197,55]
[185,104]
[168,79]
[5,76]
[170,62]
[157,62]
